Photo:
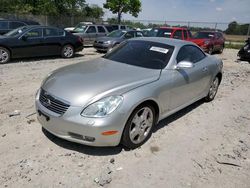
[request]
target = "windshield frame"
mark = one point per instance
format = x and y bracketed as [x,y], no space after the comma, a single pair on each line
[15,32]
[121,32]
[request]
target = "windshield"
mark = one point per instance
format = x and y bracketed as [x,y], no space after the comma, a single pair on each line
[16,32]
[203,35]
[117,33]
[160,33]
[80,28]
[145,54]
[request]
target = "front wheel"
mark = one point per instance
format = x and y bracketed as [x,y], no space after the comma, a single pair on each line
[213,90]
[139,126]
[4,55]
[68,51]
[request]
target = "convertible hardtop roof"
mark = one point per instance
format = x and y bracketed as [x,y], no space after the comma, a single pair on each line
[168,41]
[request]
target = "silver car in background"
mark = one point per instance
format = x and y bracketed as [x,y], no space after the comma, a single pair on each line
[119,98]
[105,44]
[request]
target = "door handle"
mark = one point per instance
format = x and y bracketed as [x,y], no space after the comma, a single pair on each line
[205,69]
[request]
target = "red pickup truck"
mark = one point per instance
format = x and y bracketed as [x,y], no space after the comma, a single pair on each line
[209,41]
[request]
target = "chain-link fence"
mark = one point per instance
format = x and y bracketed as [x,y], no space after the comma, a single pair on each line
[58,21]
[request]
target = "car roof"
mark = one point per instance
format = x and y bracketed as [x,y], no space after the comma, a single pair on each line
[40,26]
[175,28]
[168,41]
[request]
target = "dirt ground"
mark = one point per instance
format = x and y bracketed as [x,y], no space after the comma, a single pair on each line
[204,145]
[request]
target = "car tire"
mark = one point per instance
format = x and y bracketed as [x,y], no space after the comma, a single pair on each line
[4,55]
[138,128]
[210,50]
[213,90]
[68,51]
[221,49]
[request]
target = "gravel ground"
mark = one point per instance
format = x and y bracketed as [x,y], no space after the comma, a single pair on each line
[204,145]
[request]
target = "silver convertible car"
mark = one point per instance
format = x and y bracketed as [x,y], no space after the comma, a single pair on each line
[119,98]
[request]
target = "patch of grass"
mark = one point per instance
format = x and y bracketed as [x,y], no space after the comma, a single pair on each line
[233,46]
[236,38]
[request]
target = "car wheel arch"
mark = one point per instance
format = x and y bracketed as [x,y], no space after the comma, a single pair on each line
[9,49]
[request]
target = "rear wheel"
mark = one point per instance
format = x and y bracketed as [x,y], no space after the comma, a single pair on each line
[213,90]
[4,55]
[139,126]
[68,51]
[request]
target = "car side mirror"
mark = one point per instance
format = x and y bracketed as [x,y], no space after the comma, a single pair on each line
[184,65]
[24,38]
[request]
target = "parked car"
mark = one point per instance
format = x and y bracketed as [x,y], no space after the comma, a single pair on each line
[244,52]
[209,41]
[8,25]
[171,32]
[89,33]
[81,23]
[119,98]
[31,41]
[104,44]
[120,27]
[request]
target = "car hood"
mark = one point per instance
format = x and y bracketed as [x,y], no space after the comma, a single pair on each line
[86,82]
[199,42]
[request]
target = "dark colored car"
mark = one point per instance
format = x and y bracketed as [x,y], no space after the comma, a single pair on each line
[8,25]
[171,32]
[244,52]
[33,41]
[104,44]
[209,41]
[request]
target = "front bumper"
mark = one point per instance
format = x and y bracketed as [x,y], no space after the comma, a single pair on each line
[102,47]
[73,127]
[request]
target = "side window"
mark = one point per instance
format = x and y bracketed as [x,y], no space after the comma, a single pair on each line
[91,29]
[123,27]
[4,25]
[109,28]
[50,32]
[185,34]
[34,33]
[190,53]
[139,34]
[129,35]
[178,34]
[101,29]
[14,25]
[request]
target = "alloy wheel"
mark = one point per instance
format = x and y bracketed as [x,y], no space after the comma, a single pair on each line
[141,125]
[214,88]
[68,51]
[4,56]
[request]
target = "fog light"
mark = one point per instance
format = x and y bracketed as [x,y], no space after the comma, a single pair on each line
[88,138]
[81,137]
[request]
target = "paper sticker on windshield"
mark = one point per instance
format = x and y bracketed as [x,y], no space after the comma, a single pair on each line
[158,49]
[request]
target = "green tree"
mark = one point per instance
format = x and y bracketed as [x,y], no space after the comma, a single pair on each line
[118,7]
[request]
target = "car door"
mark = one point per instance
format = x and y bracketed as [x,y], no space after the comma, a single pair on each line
[189,84]
[101,31]
[178,34]
[91,35]
[30,44]
[53,40]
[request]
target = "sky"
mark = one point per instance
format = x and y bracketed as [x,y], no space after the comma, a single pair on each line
[189,10]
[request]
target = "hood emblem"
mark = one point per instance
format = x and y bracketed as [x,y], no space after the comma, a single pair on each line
[47,102]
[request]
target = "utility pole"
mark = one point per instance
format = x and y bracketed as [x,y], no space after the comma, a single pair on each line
[248,32]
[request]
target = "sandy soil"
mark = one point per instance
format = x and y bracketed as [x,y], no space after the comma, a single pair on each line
[204,145]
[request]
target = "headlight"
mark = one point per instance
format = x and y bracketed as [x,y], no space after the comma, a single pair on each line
[107,42]
[103,107]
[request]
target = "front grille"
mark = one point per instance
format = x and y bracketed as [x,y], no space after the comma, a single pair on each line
[52,103]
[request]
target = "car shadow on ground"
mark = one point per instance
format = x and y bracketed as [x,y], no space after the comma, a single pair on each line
[165,122]
[105,151]
[37,59]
